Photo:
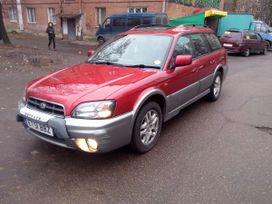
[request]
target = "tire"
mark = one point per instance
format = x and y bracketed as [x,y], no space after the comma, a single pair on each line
[100,40]
[216,87]
[145,133]
[264,52]
[246,53]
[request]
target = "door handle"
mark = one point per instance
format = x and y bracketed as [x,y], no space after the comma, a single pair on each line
[212,61]
[201,67]
[194,70]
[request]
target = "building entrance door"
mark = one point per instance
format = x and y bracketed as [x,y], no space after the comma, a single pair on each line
[71,22]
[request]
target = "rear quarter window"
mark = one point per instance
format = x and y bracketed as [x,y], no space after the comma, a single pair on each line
[213,41]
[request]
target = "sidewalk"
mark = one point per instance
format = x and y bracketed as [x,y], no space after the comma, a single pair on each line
[40,42]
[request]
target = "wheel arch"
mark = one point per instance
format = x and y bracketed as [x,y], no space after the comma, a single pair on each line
[223,69]
[155,95]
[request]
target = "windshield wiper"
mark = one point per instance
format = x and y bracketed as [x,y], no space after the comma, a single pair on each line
[143,66]
[105,62]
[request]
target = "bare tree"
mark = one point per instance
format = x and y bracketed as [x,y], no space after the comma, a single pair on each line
[3,32]
[261,9]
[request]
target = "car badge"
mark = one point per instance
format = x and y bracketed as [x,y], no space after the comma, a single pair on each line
[42,106]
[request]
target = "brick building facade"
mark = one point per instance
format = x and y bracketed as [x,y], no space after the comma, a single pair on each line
[75,19]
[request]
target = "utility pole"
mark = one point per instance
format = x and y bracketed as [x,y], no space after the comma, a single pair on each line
[20,15]
[164,6]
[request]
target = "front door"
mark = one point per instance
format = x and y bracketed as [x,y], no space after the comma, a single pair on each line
[183,84]
[71,28]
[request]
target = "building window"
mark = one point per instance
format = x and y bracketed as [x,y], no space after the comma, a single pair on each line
[100,15]
[137,9]
[51,15]
[12,12]
[31,15]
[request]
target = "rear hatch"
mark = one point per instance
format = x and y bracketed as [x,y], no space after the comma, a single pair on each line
[231,38]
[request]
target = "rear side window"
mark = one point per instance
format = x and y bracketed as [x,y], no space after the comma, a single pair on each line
[133,22]
[164,21]
[200,45]
[147,20]
[250,36]
[213,41]
[118,22]
[158,20]
[232,34]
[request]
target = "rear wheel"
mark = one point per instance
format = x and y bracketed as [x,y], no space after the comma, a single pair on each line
[147,128]
[246,53]
[216,87]
[265,50]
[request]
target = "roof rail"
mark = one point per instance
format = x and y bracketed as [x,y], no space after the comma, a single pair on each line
[194,25]
[149,25]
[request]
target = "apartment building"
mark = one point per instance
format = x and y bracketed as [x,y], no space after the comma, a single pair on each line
[75,19]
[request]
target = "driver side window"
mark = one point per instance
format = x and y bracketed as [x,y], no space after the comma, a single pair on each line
[183,47]
[107,23]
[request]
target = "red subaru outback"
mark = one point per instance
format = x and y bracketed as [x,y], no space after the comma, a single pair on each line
[126,90]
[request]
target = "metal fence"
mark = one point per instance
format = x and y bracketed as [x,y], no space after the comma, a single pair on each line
[199,3]
[207,3]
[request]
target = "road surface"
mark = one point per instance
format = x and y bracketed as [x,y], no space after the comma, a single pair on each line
[210,153]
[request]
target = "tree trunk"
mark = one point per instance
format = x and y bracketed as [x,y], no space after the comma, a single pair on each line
[3,32]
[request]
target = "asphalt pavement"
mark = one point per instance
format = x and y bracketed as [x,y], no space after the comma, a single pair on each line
[210,153]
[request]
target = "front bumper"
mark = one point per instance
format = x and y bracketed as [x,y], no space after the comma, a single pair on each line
[109,134]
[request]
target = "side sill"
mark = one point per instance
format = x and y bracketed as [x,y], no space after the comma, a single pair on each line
[178,109]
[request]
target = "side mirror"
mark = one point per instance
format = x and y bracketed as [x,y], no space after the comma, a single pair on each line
[183,60]
[90,53]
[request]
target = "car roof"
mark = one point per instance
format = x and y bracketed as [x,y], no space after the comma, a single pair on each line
[136,14]
[167,30]
[242,31]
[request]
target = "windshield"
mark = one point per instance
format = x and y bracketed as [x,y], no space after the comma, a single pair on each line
[145,51]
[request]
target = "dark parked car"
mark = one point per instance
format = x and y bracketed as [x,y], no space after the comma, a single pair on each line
[244,42]
[118,23]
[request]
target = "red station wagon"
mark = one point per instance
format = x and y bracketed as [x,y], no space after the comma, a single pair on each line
[126,89]
[244,42]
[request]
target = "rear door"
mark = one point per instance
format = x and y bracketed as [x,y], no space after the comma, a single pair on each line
[215,58]
[203,60]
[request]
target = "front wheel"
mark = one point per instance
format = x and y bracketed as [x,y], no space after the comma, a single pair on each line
[147,128]
[100,40]
[215,89]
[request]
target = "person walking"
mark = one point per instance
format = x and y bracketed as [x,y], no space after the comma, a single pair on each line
[51,35]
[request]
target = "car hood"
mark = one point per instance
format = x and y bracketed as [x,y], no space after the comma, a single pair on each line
[85,82]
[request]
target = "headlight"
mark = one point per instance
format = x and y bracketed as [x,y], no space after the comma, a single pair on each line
[94,110]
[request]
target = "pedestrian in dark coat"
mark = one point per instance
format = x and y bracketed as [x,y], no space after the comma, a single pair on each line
[51,35]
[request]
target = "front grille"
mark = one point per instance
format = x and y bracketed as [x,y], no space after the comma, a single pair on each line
[45,106]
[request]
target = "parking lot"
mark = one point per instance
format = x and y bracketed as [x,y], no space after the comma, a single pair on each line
[210,153]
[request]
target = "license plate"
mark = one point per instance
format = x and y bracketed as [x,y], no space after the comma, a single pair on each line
[45,129]
[227,45]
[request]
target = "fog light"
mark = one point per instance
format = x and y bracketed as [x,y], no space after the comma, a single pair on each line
[92,145]
[87,145]
[82,144]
